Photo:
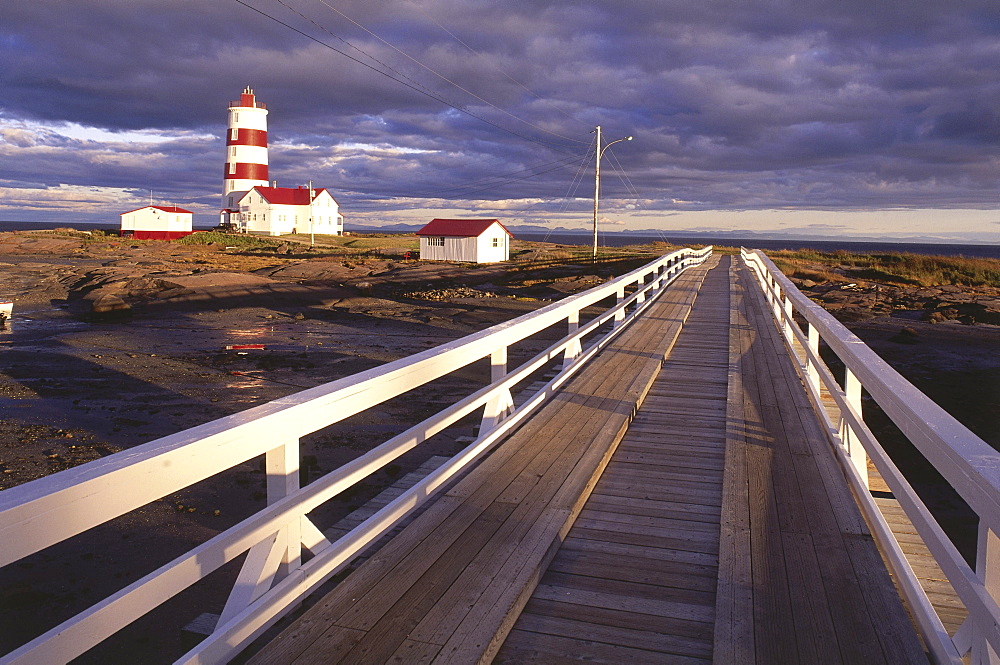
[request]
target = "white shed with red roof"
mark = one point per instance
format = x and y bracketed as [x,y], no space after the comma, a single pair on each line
[157,223]
[475,240]
[278,210]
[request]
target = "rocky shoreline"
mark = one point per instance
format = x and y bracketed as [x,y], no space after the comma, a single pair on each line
[115,343]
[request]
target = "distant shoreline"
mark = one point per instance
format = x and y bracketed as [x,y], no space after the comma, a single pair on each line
[621,239]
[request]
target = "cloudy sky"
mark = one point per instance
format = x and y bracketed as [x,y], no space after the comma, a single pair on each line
[813,117]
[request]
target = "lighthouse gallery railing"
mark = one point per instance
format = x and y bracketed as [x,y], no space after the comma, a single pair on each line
[965,461]
[274,578]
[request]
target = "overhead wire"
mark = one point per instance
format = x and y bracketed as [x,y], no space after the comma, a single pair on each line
[491,63]
[622,175]
[411,83]
[415,88]
[511,176]
[352,46]
[443,77]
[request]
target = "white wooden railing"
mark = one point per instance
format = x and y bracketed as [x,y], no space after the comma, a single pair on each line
[965,461]
[274,577]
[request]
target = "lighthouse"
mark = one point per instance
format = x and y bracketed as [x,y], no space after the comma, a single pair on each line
[249,205]
[246,149]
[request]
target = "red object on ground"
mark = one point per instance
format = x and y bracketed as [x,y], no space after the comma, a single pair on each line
[244,347]
[156,235]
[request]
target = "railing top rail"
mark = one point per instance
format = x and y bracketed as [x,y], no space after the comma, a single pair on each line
[967,462]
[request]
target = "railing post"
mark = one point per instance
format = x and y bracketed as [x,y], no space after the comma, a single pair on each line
[573,349]
[640,294]
[856,451]
[282,467]
[787,321]
[499,406]
[988,570]
[620,314]
[498,364]
[812,372]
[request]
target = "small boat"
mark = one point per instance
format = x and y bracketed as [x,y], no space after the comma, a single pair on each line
[6,308]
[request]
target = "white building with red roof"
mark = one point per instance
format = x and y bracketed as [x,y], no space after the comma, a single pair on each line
[157,223]
[275,211]
[475,240]
[248,204]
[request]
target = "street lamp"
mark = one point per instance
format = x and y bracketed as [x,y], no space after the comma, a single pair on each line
[597,178]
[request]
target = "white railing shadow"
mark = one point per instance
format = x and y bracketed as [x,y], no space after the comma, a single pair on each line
[967,463]
[274,578]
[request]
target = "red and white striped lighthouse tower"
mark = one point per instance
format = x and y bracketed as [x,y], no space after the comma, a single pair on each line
[246,148]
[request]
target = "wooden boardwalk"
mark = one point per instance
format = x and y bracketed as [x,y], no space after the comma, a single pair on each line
[634,581]
[801,580]
[449,587]
[719,528]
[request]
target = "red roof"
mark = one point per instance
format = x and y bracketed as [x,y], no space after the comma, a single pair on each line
[162,208]
[293,196]
[465,228]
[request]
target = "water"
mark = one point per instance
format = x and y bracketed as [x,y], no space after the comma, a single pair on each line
[81,226]
[622,239]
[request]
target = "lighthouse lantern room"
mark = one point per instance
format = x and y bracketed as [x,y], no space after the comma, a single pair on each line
[246,150]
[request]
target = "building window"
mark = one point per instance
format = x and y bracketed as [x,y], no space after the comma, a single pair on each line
[232,151]
[234,133]
[435,242]
[232,168]
[497,242]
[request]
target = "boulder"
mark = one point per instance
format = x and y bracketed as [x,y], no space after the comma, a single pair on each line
[214,280]
[108,303]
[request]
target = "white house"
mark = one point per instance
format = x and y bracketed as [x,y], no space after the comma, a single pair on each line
[278,210]
[157,223]
[475,240]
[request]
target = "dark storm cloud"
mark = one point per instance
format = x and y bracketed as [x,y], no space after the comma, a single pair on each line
[734,104]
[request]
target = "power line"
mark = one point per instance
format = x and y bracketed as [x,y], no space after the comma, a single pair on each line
[398,80]
[349,44]
[490,63]
[622,175]
[443,77]
[510,177]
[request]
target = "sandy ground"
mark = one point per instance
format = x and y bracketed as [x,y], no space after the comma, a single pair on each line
[78,384]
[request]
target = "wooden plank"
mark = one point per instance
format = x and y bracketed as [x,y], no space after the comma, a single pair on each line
[734,639]
[413,652]
[883,602]
[699,632]
[555,650]
[650,572]
[642,509]
[577,542]
[656,606]
[808,580]
[600,500]
[815,635]
[625,636]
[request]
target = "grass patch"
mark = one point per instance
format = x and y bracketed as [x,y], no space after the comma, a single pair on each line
[240,240]
[898,268]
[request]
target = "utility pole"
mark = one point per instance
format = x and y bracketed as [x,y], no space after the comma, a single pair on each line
[597,187]
[312,236]
[597,179]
